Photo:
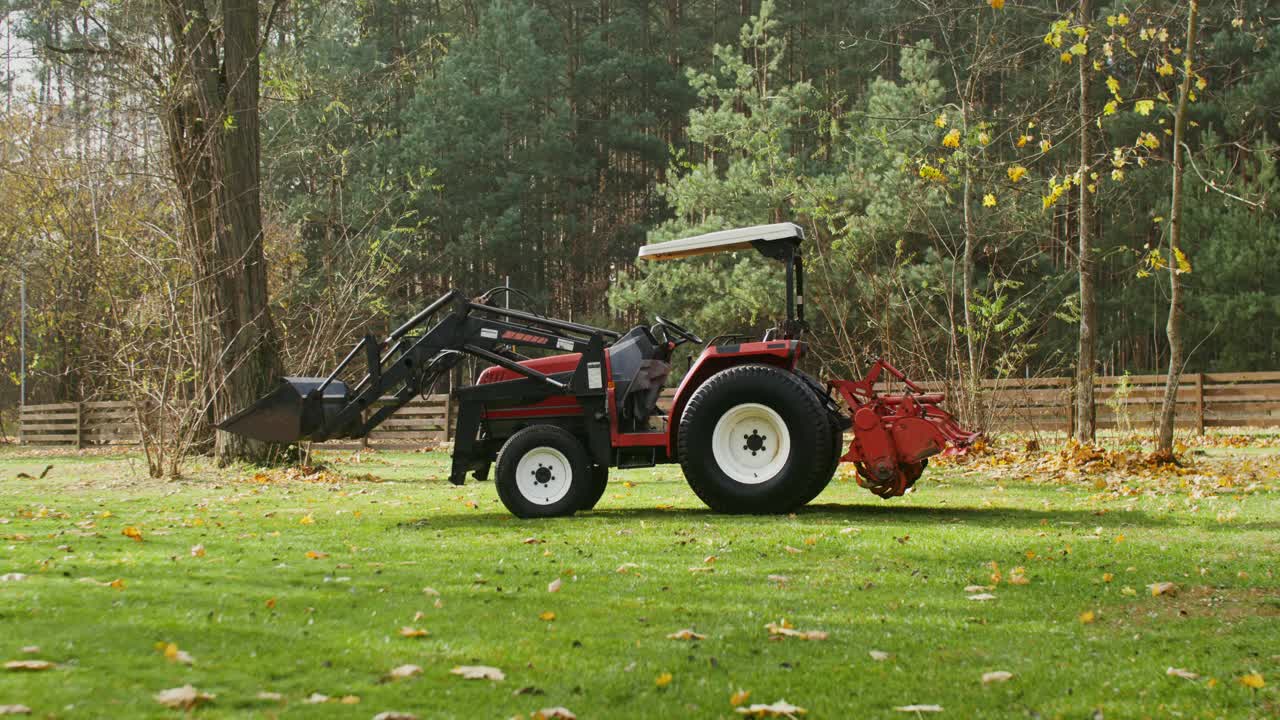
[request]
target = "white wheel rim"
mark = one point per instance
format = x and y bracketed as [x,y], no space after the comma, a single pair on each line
[543,475]
[751,443]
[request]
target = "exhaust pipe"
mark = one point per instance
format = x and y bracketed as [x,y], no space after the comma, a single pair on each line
[295,410]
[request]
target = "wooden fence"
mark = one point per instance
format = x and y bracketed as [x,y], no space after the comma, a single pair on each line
[1205,400]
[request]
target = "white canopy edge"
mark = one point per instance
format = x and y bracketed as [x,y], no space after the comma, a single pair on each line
[721,241]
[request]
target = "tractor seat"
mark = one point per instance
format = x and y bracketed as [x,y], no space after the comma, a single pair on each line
[638,368]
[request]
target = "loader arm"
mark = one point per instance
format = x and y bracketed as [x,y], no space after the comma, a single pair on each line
[404,364]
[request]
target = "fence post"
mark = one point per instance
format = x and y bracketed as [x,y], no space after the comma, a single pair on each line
[79,426]
[1200,403]
[448,411]
[1071,410]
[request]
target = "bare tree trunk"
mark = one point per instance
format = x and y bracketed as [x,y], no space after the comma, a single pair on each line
[211,119]
[1086,428]
[1168,410]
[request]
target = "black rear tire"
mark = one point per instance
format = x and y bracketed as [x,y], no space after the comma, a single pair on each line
[837,451]
[543,471]
[789,480]
[599,477]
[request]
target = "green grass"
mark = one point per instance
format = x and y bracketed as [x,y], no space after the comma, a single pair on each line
[876,575]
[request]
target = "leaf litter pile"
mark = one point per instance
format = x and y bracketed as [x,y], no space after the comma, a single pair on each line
[1128,472]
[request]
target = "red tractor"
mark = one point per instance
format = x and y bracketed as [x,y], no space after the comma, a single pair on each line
[752,432]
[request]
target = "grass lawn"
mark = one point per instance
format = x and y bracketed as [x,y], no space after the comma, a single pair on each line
[303,587]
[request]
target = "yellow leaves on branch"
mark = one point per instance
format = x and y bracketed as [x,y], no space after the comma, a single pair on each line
[952,139]
[1114,20]
[929,172]
[1144,107]
[1023,140]
[1016,172]
[989,200]
[940,121]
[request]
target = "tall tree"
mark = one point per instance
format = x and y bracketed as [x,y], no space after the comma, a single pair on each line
[1173,328]
[1087,349]
[210,115]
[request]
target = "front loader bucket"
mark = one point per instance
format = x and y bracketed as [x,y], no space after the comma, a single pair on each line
[293,411]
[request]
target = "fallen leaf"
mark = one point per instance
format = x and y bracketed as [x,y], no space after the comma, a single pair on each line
[982,597]
[183,698]
[271,603]
[1018,576]
[793,551]
[317,699]
[625,567]
[554,713]
[430,591]
[173,654]
[270,696]
[1087,617]
[316,555]
[662,680]
[686,634]
[12,577]
[197,551]
[28,665]
[919,708]
[532,541]
[350,700]
[394,715]
[781,708]
[404,671]
[548,616]
[1184,674]
[996,676]
[739,697]
[479,672]
[976,588]
[307,520]
[132,533]
[1108,577]
[1163,588]
[878,655]
[31,649]
[554,585]
[1253,680]
[784,629]
[780,579]
[14,710]
[412,632]
[701,569]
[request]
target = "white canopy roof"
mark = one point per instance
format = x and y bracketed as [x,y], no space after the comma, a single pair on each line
[722,241]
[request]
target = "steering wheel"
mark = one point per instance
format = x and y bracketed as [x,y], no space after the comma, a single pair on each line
[680,332]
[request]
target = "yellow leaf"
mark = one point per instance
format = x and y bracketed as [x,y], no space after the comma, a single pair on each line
[1202,83]
[1110,107]
[1164,68]
[1120,538]
[1065,57]
[739,697]
[1016,172]
[1163,588]
[412,632]
[132,533]
[996,4]
[952,139]
[686,634]
[1087,617]
[989,200]
[1144,107]
[1113,85]
[1045,145]
[663,680]
[1122,19]
[316,555]
[1079,49]
[984,138]
[1184,266]
[1253,680]
[940,121]
[547,616]
[271,603]
[1108,577]
[307,520]
[197,551]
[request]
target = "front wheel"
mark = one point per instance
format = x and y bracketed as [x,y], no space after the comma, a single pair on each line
[543,471]
[754,439]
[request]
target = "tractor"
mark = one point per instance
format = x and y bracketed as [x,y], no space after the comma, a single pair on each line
[750,430]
